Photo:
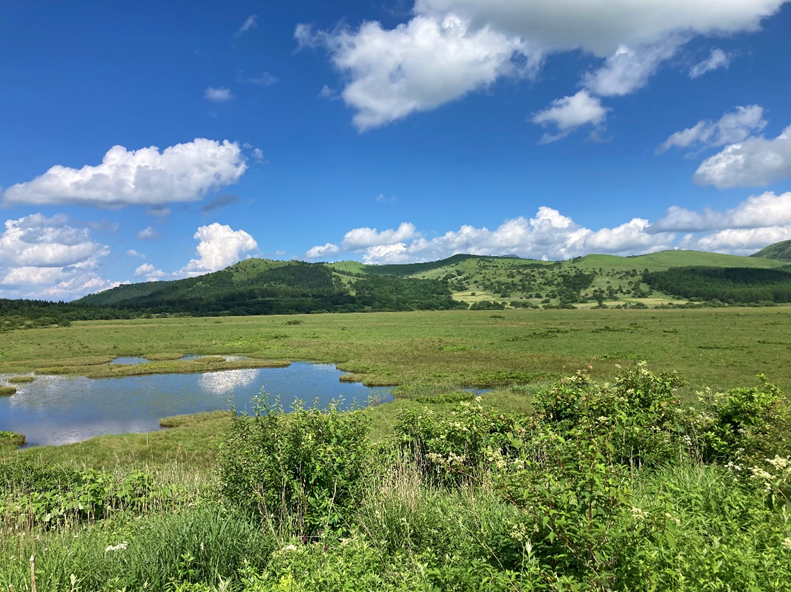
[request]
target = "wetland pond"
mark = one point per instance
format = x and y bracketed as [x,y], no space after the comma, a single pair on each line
[61,410]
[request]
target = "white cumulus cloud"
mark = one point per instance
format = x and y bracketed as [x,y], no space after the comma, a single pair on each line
[732,127]
[148,234]
[716,60]
[601,27]
[759,211]
[452,47]
[547,235]
[150,272]
[362,238]
[629,68]
[415,67]
[754,162]
[569,113]
[43,257]
[180,173]
[326,250]
[219,246]
[745,241]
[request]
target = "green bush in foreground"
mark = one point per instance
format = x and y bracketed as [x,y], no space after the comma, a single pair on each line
[608,487]
[301,470]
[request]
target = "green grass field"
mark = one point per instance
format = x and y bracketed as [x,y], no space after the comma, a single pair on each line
[719,348]
[153,511]
[716,348]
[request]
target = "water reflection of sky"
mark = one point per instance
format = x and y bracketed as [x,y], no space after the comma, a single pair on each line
[57,410]
[226,381]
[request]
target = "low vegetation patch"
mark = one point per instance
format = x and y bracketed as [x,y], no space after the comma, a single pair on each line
[12,439]
[7,391]
[21,379]
[607,486]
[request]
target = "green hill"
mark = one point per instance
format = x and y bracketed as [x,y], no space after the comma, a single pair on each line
[777,251]
[260,286]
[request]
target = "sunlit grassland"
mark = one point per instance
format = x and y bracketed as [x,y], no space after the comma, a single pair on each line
[719,348]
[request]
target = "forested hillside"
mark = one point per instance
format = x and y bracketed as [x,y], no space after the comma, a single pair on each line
[729,285]
[262,287]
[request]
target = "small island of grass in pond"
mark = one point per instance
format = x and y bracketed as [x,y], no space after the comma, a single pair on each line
[12,439]
[21,379]
[7,391]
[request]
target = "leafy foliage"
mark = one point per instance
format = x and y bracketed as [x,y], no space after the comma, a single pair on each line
[301,470]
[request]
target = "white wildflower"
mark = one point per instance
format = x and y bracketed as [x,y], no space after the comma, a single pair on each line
[118,547]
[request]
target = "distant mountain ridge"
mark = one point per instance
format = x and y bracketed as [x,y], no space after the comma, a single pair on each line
[264,287]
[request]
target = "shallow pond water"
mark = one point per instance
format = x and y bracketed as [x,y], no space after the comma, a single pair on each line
[59,410]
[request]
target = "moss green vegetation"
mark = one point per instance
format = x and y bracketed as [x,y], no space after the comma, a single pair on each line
[11,439]
[606,486]
[711,347]
[205,364]
[21,379]
[779,251]
[7,391]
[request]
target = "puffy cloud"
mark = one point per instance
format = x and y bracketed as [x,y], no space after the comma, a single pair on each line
[319,251]
[453,47]
[44,257]
[180,173]
[732,127]
[150,273]
[548,235]
[251,22]
[744,241]
[760,211]
[755,162]
[218,95]
[416,66]
[148,234]
[569,113]
[219,246]
[46,242]
[716,60]
[362,238]
[628,69]
[601,27]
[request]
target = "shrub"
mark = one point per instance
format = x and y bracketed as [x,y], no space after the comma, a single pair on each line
[639,413]
[450,448]
[301,470]
[746,424]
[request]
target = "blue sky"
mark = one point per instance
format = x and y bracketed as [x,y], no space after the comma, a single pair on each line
[163,140]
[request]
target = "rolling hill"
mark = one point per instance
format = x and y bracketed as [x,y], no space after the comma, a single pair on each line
[778,251]
[260,286]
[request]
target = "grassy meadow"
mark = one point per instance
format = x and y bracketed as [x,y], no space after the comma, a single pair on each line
[621,478]
[719,348]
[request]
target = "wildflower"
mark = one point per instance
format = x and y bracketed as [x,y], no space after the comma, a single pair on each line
[290,548]
[118,547]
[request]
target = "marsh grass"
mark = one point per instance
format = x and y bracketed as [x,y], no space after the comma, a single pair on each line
[21,379]
[205,364]
[7,391]
[167,357]
[11,440]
